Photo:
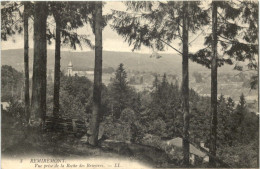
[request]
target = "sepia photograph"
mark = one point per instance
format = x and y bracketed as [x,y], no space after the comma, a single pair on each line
[129,84]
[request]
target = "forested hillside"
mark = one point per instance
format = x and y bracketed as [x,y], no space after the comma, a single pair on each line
[147,118]
[168,63]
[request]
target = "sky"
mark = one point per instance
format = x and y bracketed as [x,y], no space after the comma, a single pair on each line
[111,40]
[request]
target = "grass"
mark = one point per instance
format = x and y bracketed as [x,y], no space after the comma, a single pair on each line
[60,145]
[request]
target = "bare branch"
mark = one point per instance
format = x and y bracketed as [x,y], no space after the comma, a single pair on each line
[171,46]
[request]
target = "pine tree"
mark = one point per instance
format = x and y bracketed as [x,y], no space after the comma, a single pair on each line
[26,60]
[56,95]
[214,93]
[241,109]
[185,84]
[230,106]
[245,44]
[11,19]
[230,35]
[10,27]
[223,120]
[158,26]
[120,91]
[237,33]
[96,113]
[38,102]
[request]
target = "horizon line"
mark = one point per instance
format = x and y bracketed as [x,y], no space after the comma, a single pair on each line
[81,51]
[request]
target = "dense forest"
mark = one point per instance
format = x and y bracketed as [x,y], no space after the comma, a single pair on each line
[170,125]
[147,117]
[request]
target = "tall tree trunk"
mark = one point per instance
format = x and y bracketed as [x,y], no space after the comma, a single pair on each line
[96,113]
[185,85]
[26,62]
[56,95]
[214,83]
[38,102]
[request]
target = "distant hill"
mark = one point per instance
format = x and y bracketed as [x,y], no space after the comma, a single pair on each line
[133,61]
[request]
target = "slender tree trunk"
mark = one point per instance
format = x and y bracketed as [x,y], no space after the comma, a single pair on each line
[56,95]
[38,102]
[26,62]
[214,83]
[96,113]
[185,85]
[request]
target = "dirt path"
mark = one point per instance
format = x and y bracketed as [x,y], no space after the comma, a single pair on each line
[145,154]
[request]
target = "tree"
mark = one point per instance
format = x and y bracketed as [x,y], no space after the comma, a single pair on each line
[96,113]
[223,131]
[165,105]
[75,97]
[237,36]
[11,82]
[9,27]
[199,117]
[245,46]
[158,26]
[10,19]
[26,60]
[38,102]
[241,111]
[185,84]
[230,106]
[240,39]
[237,42]
[214,82]
[119,91]
[67,18]
[231,36]
[56,95]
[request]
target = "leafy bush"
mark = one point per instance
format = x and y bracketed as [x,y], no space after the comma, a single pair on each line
[117,130]
[11,83]
[157,127]
[13,125]
[128,116]
[15,113]
[126,129]
[240,156]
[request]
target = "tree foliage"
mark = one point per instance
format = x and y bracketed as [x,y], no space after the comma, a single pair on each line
[11,19]
[156,24]
[237,33]
[11,84]
[75,97]
[120,92]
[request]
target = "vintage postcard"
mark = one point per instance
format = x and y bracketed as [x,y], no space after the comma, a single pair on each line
[129,84]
